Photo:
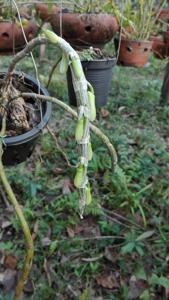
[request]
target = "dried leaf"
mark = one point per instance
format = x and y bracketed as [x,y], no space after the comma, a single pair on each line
[70,232]
[5,224]
[107,281]
[29,287]
[9,280]
[48,272]
[104,112]
[67,186]
[46,242]
[111,255]
[10,262]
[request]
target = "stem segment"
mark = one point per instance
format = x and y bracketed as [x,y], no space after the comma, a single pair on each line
[12,199]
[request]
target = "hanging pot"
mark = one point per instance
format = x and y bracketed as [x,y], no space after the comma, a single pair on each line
[12,38]
[133,53]
[84,30]
[99,74]
[18,148]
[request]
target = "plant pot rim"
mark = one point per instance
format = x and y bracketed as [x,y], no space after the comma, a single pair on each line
[84,14]
[26,137]
[135,41]
[101,59]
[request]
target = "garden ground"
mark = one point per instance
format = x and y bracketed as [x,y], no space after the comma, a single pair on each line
[120,249]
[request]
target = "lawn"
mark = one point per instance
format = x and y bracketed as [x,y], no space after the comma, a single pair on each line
[119,250]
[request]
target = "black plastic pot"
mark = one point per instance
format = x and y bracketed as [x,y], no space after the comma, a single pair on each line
[18,148]
[99,74]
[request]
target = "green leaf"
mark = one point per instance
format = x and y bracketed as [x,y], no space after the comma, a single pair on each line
[140,274]
[145,235]
[53,246]
[63,65]
[128,248]
[145,295]
[5,246]
[140,250]
[163,281]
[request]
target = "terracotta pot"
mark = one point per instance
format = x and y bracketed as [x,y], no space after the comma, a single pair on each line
[85,29]
[12,38]
[44,13]
[164,14]
[166,38]
[133,53]
[159,47]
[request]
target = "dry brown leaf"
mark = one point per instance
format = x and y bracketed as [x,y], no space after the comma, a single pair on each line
[47,271]
[70,232]
[5,224]
[107,281]
[9,280]
[111,254]
[67,186]
[29,287]
[10,262]
[46,242]
[104,112]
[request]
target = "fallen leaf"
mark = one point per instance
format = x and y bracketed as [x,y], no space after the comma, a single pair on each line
[136,287]
[70,232]
[107,281]
[67,186]
[47,271]
[5,224]
[111,254]
[104,112]
[29,287]
[46,242]
[9,280]
[10,262]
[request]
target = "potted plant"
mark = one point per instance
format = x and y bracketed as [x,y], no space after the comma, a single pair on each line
[15,34]
[85,25]
[22,136]
[137,22]
[97,67]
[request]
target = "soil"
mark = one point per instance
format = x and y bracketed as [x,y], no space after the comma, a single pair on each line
[22,115]
[94,54]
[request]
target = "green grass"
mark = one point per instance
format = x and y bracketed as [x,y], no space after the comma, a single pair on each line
[125,231]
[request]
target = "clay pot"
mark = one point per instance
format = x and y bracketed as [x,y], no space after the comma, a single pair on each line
[44,13]
[166,38]
[164,14]
[85,30]
[159,47]
[12,38]
[133,53]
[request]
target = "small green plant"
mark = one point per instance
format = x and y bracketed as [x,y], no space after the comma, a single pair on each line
[137,21]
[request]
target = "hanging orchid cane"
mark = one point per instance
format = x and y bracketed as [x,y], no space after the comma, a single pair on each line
[86,113]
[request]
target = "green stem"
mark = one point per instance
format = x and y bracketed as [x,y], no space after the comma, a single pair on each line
[12,199]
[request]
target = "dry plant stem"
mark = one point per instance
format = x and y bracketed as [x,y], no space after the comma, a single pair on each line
[93,128]
[52,71]
[12,199]
[28,48]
